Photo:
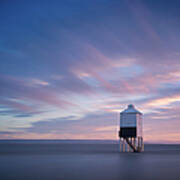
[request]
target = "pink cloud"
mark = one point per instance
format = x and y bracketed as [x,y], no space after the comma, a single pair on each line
[19,89]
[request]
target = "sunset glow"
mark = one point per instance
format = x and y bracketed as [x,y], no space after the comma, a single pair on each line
[68,69]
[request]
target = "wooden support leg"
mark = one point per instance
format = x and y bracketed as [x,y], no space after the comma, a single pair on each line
[123,145]
[127,147]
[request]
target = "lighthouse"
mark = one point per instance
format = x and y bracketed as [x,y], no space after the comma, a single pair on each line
[131,132]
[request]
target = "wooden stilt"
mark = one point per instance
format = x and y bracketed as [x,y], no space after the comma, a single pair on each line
[128,148]
[123,145]
[120,145]
[134,142]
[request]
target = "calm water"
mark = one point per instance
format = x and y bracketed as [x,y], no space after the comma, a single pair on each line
[86,160]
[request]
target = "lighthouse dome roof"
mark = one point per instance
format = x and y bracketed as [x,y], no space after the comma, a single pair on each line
[131,109]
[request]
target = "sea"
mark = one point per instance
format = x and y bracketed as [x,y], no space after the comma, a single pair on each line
[86,160]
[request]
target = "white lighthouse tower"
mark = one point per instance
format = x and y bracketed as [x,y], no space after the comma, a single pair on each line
[131,133]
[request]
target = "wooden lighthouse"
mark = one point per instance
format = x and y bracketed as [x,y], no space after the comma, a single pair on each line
[131,133]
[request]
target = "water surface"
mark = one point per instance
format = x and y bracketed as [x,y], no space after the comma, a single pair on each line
[86,160]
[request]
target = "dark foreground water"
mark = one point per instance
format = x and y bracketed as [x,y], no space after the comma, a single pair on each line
[87,160]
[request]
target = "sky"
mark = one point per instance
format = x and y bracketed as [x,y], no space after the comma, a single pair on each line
[69,67]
